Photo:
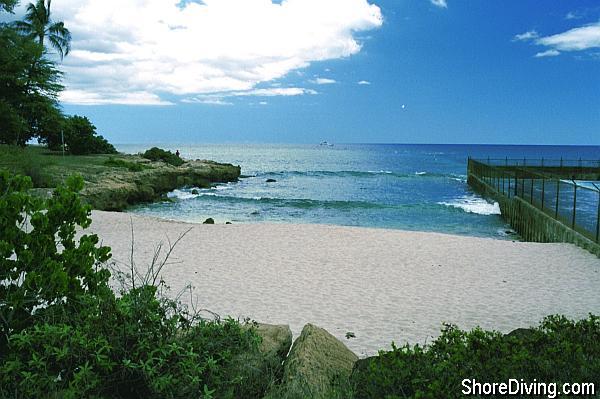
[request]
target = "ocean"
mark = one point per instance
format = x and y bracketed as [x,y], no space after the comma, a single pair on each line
[397,186]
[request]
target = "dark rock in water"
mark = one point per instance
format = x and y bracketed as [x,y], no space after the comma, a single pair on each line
[255,213]
[195,192]
[271,181]
[228,223]
[209,221]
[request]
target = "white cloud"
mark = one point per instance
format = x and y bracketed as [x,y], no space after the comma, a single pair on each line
[83,97]
[125,50]
[220,97]
[572,15]
[576,39]
[364,82]
[323,81]
[529,35]
[263,103]
[547,53]
[439,3]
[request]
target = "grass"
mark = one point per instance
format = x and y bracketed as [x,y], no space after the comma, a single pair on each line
[48,168]
[120,163]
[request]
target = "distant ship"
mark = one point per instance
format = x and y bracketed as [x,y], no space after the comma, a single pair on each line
[326,143]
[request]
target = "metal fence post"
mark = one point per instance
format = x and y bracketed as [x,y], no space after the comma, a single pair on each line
[574,204]
[598,216]
[531,193]
[557,197]
[543,191]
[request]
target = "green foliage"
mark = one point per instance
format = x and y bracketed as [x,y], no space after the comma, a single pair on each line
[8,5]
[158,154]
[559,350]
[38,25]
[65,334]
[29,85]
[81,139]
[35,272]
[120,163]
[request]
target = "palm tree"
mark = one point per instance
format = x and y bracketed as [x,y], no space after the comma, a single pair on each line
[38,25]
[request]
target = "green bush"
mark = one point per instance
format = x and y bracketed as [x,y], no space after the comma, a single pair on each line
[158,154]
[81,138]
[64,332]
[120,163]
[558,351]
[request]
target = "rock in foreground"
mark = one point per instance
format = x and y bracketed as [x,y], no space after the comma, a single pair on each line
[316,365]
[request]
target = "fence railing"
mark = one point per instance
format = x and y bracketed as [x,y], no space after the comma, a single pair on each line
[574,202]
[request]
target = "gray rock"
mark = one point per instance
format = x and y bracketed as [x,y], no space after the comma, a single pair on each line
[261,368]
[317,364]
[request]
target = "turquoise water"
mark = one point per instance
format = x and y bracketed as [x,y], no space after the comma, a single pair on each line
[413,187]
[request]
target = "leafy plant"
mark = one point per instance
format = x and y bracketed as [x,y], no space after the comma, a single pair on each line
[158,154]
[65,334]
[81,138]
[559,351]
[120,163]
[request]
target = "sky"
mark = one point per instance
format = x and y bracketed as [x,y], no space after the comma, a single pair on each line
[351,71]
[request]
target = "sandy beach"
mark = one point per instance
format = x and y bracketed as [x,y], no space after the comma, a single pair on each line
[382,285]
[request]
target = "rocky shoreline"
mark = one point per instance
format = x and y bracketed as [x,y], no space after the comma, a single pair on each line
[117,190]
[116,182]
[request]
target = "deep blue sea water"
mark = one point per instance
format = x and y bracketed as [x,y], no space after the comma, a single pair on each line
[400,186]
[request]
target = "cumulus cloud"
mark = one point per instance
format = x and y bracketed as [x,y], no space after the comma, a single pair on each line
[439,3]
[577,39]
[125,50]
[323,81]
[364,82]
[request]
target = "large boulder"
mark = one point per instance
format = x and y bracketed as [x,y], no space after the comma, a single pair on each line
[263,368]
[318,366]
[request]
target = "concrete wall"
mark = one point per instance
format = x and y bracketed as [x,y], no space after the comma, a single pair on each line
[530,222]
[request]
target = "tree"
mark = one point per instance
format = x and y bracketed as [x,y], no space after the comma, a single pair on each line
[81,138]
[29,87]
[8,5]
[39,25]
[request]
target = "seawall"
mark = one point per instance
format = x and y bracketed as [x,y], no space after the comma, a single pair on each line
[530,222]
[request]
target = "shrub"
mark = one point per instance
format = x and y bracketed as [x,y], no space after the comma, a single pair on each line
[559,350]
[81,138]
[64,332]
[158,154]
[120,163]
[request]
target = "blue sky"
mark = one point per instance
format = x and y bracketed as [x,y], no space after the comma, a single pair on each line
[522,72]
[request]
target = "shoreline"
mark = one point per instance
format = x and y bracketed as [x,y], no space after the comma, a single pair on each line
[383,285]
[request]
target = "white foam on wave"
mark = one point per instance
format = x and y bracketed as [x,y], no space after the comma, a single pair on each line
[181,194]
[420,173]
[219,187]
[474,204]
[388,172]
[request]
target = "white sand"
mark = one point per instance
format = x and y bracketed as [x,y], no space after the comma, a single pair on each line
[383,285]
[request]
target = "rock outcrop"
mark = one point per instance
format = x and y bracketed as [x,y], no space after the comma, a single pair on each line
[316,365]
[114,189]
[265,366]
